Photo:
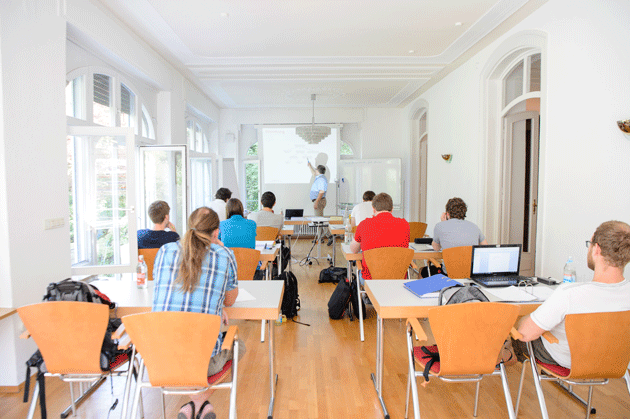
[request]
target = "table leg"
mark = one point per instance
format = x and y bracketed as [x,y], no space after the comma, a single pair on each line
[377,378]
[334,237]
[273,377]
[290,257]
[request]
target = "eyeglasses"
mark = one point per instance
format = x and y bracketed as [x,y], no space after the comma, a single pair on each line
[588,243]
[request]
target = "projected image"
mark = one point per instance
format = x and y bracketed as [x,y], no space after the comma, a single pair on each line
[285,156]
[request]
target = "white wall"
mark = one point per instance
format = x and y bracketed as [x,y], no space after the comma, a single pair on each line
[583,173]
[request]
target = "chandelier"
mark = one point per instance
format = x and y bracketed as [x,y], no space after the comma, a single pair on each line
[313,134]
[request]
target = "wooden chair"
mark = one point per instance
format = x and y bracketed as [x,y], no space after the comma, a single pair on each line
[246,262]
[69,335]
[265,233]
[417,230]
[384,263]
[469,340]
[149,258]
[457,261]
[600,350]
[176,347]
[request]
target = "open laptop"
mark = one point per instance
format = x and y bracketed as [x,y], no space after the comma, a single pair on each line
[496,265]
[291,213]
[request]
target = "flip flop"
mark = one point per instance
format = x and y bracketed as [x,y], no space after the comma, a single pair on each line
[209,415]
[181,415]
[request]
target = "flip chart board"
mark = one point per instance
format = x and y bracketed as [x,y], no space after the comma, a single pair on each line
[378,175]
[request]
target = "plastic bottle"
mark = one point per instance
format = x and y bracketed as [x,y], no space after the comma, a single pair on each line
[347,237]
[141,273]
[569,271]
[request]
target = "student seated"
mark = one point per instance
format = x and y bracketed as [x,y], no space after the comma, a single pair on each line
[237,231]
[266,216]
[608,254]
[156,237]
[453,230]
[382,230]
[363,210]
[198,274]
[218,205]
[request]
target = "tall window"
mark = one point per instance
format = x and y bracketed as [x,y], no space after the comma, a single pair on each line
[522,78]
[252,178]
[202,162]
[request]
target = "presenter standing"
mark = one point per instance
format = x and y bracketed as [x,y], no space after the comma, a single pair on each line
[318,189]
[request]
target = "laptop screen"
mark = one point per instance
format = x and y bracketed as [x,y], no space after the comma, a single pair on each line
[501,259]
[291,213]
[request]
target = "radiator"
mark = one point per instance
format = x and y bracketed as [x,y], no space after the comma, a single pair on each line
[304,230]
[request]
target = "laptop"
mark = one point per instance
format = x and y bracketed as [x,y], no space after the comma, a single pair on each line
[291,213]
[496,265]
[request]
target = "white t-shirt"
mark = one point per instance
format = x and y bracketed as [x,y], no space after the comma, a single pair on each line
[574,298]
[218,205]
[361,212]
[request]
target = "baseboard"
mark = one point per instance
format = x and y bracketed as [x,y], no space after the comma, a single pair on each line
[19,387]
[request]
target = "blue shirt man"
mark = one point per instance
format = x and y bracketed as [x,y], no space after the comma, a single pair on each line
[318,189]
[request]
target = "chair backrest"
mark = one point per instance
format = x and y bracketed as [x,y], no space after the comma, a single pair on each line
[470,336]
[599,344]
[417,229]
[266,233]
[176,345]
[69,334]
[149,258]
[246,262]
[457,261]
[388,262]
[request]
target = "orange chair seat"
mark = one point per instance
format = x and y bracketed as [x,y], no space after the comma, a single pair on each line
[422,358]
[221,374]
[561,372]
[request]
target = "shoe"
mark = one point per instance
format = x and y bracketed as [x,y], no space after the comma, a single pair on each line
[209,415]
[181,415]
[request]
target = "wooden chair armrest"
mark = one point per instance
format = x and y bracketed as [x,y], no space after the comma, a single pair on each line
[415,325]
[25,335]
[435,262]
[231,334]
[120,332]
[263,266]
[550,337]
[414,266]
[515,334]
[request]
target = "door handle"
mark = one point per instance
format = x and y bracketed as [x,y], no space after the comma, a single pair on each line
[534,205]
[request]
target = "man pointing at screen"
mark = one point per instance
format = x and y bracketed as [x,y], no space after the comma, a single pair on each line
[318,189]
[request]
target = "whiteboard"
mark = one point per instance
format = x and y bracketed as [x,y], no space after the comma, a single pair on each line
[378,175]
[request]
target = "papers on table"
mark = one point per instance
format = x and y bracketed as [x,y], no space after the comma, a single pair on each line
[430,287]
[244,295]
[421,247]
[521,294]
[264,244]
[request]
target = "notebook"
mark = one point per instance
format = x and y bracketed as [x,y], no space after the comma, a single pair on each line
[290,213]
[430,287]
[496,265]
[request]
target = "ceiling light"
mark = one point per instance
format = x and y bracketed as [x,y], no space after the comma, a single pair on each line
[224,14]
[411,51]
[458,23]
[313,134]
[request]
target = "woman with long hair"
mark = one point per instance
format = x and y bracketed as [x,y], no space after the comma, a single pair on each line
[198,274]
[237,231]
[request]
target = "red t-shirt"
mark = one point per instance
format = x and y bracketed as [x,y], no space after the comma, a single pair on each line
[382,230]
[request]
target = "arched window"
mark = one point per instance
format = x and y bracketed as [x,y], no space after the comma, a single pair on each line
[346,149]
[197,134]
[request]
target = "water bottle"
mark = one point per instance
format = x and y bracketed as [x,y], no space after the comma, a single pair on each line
[347,237]
[141,273]
[569,271]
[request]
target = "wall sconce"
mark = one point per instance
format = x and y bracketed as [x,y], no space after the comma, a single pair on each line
[624,126]
[447,157]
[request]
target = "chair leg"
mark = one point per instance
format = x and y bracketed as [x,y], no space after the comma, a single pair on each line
[520,387]
[626,377]
[506,392]
[136,397]
[476,398]
[539,392]
[359,294]
[590,398]
[407,398]
[412,377]
[33,406]
[234,381]
[73,404]
[130,369]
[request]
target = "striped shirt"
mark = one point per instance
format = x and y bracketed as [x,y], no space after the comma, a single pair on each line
[218,275]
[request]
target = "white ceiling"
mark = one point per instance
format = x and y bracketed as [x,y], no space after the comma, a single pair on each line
[276,53]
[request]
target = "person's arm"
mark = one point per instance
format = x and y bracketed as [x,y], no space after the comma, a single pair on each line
[319,197]
[171,227]
[355,246]
[436,246]
[530,330]
[230,297]
[353,222]
[310,166]
[484,242]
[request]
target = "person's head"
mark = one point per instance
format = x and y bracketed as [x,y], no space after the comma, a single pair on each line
[321,169]
[382,202]
[456,208]
[158,211]
[234,207]
[203,230]
[368,196]
[268,199]
[613,238]
[223,194]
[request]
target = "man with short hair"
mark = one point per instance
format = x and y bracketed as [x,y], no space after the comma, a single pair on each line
[318,189]
[156,237]
[609,291]
[454,231]
[382,230]
[219,204]
[266,216]
[363,210]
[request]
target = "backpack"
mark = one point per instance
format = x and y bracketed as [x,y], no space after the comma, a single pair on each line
[339,299]
[291,299]
[461,294]
[332,275]
[431,270]
[69,290]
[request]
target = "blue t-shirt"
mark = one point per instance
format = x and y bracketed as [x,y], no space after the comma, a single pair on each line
[237,231]
[319,184]
[154,239]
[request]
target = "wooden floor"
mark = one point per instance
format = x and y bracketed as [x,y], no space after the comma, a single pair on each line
[324,372]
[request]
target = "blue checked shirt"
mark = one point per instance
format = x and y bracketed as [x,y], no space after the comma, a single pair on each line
[218,275]
[319,184]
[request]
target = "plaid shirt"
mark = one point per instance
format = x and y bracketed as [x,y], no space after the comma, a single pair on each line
[218,275]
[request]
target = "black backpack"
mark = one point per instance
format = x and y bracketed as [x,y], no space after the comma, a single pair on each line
[332,275]
[339,299]
[291,299]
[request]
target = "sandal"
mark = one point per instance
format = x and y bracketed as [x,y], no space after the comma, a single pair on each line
[209,415]
[181,415]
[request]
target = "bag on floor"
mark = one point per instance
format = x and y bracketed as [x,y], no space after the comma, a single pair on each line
[431,270]
[458,294]
[332,275]
[291,299]
[339,299]
[286,255]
